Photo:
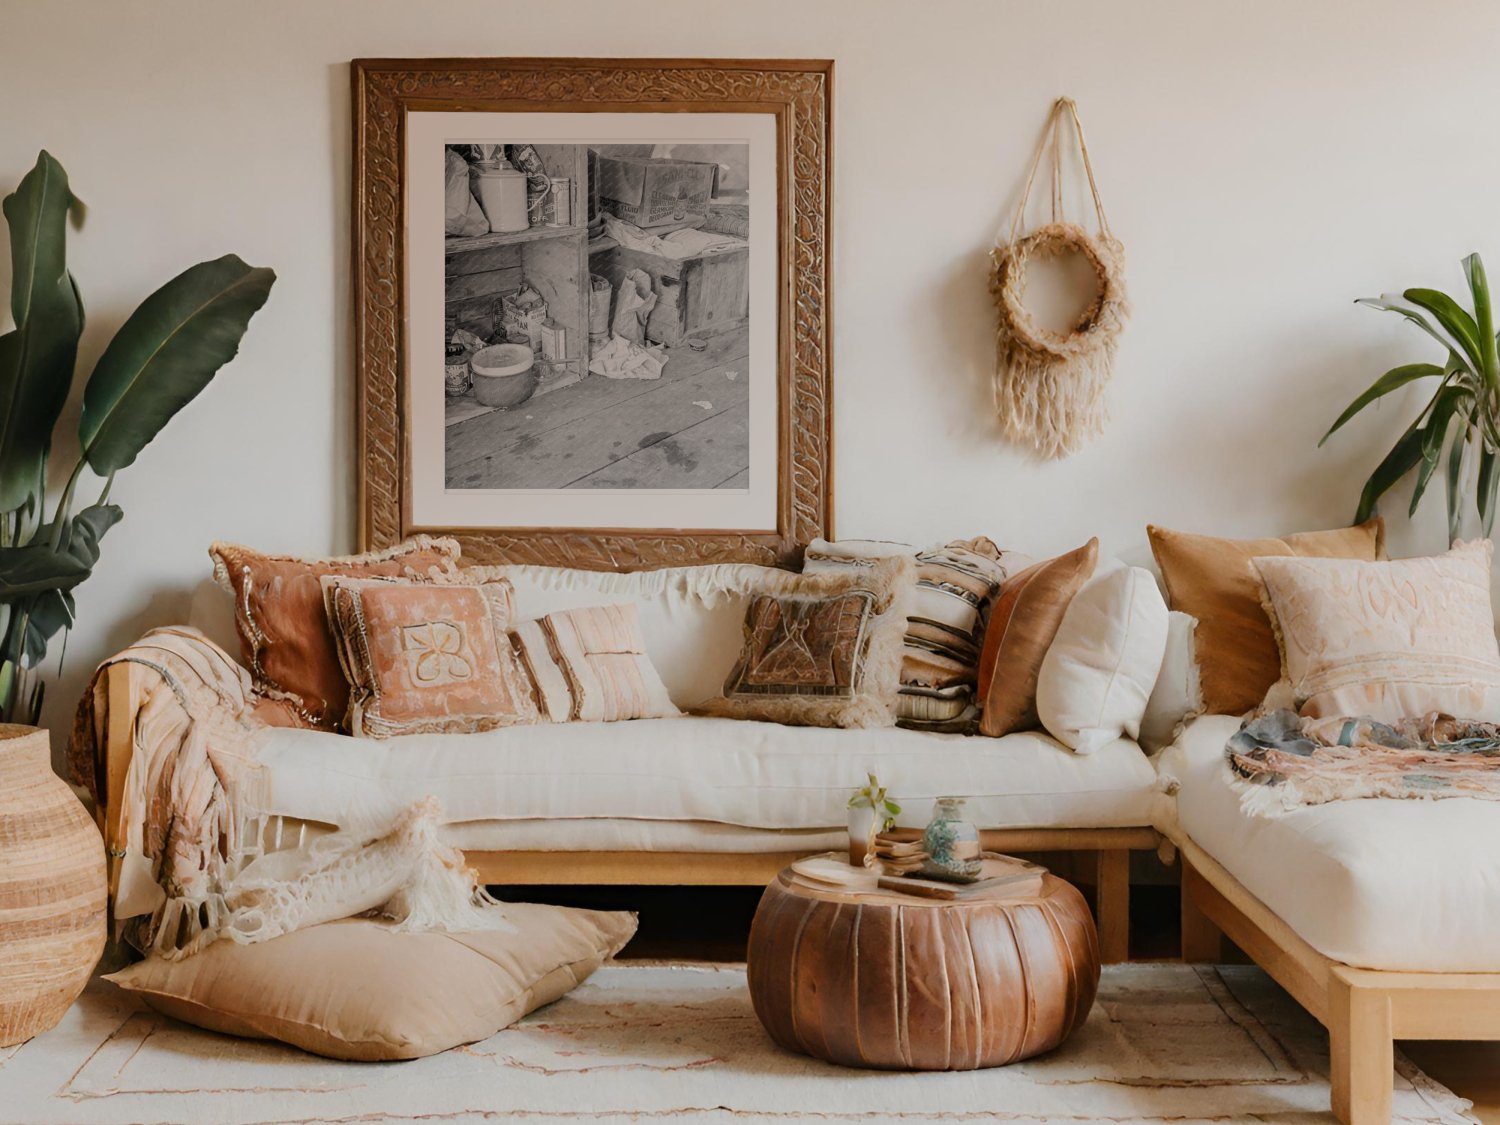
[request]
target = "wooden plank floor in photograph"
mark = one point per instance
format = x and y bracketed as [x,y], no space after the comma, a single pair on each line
[688,429]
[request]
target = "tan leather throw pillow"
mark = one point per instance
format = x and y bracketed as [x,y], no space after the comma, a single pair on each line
[427,657]
[1215,581]
[285,639]
[358,990]
[1025,618]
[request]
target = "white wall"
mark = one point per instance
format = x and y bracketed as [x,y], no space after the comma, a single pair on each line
[1264,164]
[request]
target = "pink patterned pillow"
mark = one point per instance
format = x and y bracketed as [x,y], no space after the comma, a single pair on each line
[427,657]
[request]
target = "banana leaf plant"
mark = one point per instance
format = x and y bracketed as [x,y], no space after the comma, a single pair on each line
[164,354]
[1457,428]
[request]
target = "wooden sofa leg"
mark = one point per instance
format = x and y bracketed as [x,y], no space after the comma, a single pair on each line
[1361,1052]
[1202,941]
[1112,886]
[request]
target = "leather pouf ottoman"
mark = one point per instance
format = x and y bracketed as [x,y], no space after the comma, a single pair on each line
[889,980]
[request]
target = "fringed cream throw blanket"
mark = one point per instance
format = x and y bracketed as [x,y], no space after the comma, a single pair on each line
[197,860]
[1280,761]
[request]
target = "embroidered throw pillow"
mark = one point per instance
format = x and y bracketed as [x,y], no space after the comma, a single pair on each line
[1387,640]
[1025,619]
[284,634]
[423,657]
[590,665]
[956,584]
[823,649]
[1214,580]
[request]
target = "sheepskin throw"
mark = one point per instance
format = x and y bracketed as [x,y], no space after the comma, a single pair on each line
[1049,386]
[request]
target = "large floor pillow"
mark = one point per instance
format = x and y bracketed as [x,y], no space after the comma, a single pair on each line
[358,990]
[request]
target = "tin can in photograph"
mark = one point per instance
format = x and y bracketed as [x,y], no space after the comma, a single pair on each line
[560,206]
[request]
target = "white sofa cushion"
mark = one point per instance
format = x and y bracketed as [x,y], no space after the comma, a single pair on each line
[1101,665]
[731,771]
[1378,884]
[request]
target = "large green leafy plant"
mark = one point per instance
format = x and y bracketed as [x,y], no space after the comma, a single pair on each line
[1457,427]
[163,355]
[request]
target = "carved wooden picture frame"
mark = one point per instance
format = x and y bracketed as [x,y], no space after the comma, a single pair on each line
[399,102]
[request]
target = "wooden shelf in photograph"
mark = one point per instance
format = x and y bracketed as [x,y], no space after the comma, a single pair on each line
[453,246]
[602,243]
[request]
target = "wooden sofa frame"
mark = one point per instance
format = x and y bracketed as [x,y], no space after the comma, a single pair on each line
[1111,846]
[1364,1010]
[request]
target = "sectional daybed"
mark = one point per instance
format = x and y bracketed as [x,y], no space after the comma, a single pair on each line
[1380,916]
[689,800]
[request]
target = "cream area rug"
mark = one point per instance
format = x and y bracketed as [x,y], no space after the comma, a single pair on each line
[646,1042]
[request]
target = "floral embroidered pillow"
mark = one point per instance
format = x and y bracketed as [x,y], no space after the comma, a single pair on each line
[427,657]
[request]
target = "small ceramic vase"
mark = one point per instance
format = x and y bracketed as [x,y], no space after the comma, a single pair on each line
[861,832]
[951,843]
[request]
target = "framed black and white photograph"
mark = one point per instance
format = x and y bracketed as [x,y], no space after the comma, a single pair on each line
[603,304]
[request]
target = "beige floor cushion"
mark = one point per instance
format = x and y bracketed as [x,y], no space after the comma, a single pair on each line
[358,990]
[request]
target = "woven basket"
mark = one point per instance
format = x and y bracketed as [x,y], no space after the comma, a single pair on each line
[52,889]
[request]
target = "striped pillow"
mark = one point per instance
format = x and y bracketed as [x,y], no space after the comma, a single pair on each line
[956,584]
[590,665]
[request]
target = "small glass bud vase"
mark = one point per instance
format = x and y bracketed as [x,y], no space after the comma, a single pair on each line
[951,843]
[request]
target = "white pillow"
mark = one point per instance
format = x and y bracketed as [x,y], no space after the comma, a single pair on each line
[1178,694]
[1098,674]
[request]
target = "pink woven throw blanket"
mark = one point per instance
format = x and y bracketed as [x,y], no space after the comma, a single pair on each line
[1280,761]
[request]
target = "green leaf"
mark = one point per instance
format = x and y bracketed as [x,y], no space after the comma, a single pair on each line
[1484,316]
[1392,380]
[1397,304]
[35,568]
[1488,480]
[1454,319]
[85,530]
[37,356]
[50,612]
[1455,476]
[1445,404]
[1402,458]
[168,351]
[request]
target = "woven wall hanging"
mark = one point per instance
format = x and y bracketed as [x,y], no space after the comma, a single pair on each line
[1049,386]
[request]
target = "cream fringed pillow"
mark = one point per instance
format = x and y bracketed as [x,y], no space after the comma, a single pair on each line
[356,990]
[823,650]
[590,665]
[1390,640]
[425,657]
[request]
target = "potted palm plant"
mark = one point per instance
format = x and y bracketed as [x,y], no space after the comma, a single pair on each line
[163,355]
[1457,426]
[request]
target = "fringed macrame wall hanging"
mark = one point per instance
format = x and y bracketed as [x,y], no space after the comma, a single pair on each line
[1049,386]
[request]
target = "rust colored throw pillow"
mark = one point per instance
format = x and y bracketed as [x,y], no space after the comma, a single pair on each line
[1025,618]
[427,657]
[590,665]
[284,634]
[1215,581]
[824,649]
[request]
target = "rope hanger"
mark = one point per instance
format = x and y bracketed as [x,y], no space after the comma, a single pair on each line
[1049,386]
